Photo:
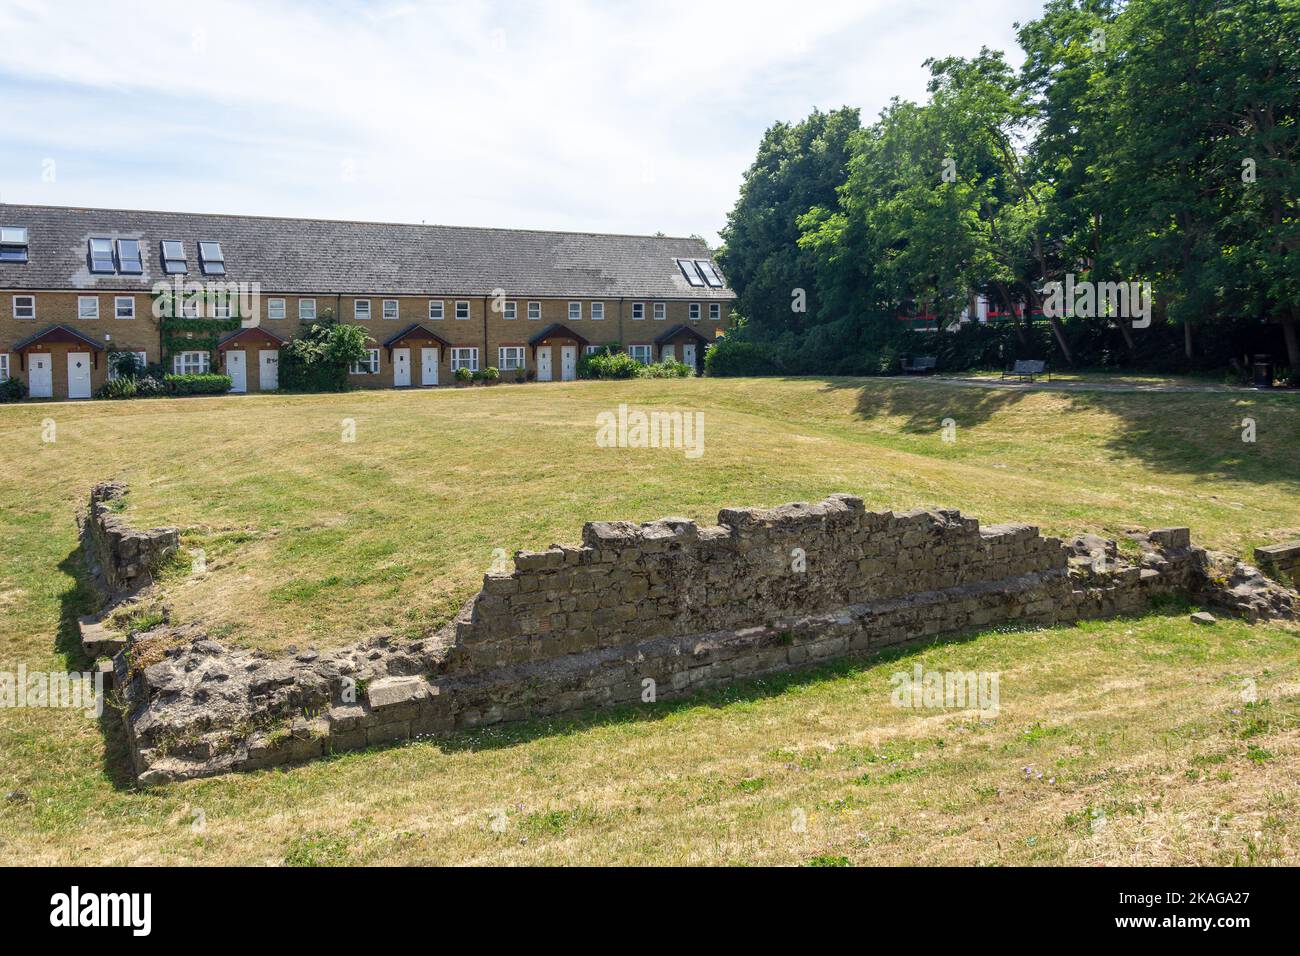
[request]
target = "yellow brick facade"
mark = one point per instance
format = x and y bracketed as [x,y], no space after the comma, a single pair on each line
[140,333]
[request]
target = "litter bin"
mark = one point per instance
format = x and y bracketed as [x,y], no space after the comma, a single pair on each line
[1263,367]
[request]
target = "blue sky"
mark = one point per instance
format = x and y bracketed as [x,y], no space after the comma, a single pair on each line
[602,116]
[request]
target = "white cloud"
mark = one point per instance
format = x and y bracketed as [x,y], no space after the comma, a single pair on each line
[586,115]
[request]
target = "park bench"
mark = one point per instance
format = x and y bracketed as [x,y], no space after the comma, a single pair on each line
[1026,369]
[918,364]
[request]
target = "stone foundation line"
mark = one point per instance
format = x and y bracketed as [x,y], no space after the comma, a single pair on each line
[668,605]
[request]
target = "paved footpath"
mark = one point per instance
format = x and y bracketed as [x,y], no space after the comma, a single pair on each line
[971,382]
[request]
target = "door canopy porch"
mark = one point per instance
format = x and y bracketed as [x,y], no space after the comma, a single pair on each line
[57,335]
[553,333]
[253,335]
[415,334]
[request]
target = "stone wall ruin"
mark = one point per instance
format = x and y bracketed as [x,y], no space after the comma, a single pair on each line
[669,605]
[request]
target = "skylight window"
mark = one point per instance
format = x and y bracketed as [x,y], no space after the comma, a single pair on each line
[173,257]
[101,255]
[711,277]
[128,257]
[690,272]
[13,244]
[212,259]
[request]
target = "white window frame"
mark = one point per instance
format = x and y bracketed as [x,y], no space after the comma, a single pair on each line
[118,301]
[83,300]
[302,312]
[642,353]
[510,311]
[142,357]
[594,349]
[465,303]
[357,310]
[715,311]
[661,311]
[575,307]
[511,358]
[4,366]
[693,312]
[459,358]
[221,306]
[441,308]
[368,366]
[638,307]
[397,310]
[274,305]
[598,311]
[534,311]
[192,363]
[191,307]
[28,306]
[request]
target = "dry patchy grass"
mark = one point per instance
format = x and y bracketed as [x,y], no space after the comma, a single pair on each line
[1147,753]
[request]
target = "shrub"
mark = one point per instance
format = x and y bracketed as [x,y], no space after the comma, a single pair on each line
[13,390]
[491,373]
[151,385]
[123,387]
[668,369]
[730,356]
[206,383]
[318,359]
[125,364]
[609,365]
[464,375]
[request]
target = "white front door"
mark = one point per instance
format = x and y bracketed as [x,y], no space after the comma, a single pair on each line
[666,354]
[543,364]
[40,376]
[568,363]
[688,354]
[236,368]
[428,366]
[268,369]
[401,367]
[78,375]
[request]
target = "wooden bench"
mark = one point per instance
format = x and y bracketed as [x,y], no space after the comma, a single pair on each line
[918,364]
[1026,369]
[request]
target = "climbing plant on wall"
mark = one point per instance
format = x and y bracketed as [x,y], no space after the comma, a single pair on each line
[190,333]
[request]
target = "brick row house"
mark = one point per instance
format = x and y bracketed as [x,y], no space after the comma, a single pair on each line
[78,285]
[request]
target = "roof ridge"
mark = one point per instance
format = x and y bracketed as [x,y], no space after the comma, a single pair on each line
[350,222]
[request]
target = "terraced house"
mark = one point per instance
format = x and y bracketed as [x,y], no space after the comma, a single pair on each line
[77,285]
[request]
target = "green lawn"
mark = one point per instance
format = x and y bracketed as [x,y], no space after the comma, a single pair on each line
[314,540]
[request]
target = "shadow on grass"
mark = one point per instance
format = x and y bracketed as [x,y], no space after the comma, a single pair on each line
[79,599]
[1187,433]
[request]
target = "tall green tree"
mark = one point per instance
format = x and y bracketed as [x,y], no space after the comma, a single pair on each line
[799,166]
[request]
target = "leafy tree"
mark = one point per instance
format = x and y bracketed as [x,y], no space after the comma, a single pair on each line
[318,359]
[798,167]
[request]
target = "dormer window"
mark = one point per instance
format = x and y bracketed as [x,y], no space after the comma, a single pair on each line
[13,244]
[101,255]
[211,259]
[173,257]
[128,257]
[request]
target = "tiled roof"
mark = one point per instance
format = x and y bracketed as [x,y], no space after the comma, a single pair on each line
[57,333]
[355,258]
